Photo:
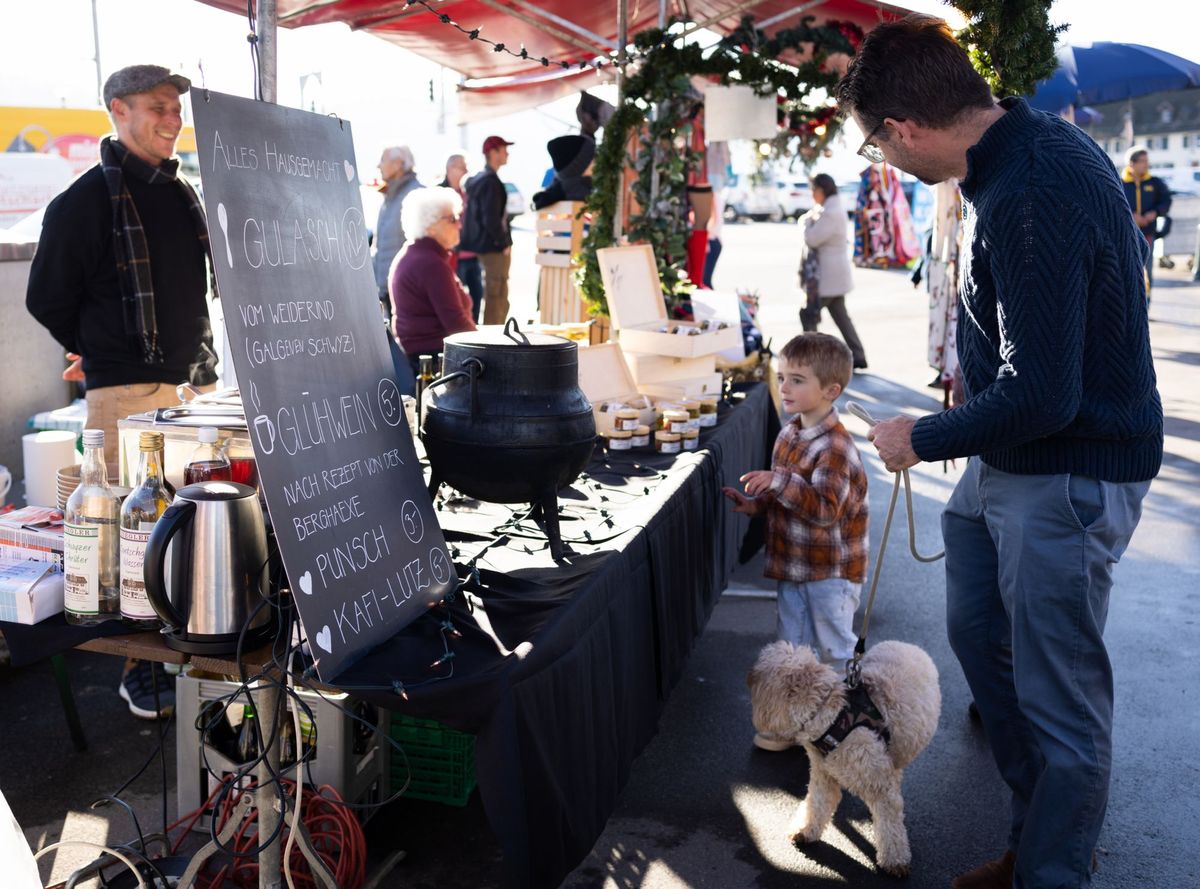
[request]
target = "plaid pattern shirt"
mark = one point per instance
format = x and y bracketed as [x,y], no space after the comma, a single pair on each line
[817,506]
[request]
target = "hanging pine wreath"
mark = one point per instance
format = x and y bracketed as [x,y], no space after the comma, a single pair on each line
[661,81]
[1011,42]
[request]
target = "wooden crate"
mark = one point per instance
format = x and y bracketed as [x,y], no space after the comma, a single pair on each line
[559,230]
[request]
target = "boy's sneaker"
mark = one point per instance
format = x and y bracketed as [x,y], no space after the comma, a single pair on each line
[773,743]
[137,689]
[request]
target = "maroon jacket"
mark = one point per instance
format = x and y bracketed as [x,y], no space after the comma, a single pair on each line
[428,301]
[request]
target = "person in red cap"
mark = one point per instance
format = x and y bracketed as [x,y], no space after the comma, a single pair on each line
[485,229]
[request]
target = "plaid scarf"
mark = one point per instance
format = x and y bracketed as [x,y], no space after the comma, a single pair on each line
[129,238]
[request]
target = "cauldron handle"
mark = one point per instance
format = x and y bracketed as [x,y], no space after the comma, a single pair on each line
[474,370]
[511,328]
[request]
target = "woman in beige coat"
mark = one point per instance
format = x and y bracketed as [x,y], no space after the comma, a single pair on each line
[826,233]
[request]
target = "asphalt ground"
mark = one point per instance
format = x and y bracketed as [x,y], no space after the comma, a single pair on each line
[703,807]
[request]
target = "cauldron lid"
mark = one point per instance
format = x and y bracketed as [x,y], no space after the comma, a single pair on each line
[509,337]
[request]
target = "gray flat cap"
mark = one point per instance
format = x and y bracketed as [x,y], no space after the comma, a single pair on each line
[141,79]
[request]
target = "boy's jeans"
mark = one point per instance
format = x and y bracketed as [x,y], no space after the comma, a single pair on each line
[1028,572]
[819,614]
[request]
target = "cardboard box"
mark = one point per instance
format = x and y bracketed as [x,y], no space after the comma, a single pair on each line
[647,368]
[638,311]
[30,591]
[605,379]
[674,390]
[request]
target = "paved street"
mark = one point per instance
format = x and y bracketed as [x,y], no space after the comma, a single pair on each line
[703,808]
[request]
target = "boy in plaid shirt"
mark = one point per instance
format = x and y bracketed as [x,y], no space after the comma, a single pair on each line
[815,498]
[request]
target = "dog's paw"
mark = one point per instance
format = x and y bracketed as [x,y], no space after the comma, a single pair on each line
[810,834]
[896,868]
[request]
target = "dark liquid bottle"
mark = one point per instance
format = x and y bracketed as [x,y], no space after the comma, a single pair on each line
[208,462]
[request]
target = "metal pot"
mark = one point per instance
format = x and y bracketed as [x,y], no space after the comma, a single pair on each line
[508,422]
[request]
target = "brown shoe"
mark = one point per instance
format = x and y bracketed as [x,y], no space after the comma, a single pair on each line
[996,874]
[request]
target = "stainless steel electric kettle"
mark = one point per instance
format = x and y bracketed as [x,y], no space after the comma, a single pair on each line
[206,569]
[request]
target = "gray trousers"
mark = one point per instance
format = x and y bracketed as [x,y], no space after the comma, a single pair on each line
[1029,563]
[809,319]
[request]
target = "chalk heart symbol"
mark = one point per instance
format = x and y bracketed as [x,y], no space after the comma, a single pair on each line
[306,583]
[325,639]
[349,167]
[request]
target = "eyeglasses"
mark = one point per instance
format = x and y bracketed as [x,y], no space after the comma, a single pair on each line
[453,220]
[869,149]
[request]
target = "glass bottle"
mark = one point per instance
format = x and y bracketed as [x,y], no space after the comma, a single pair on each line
[208,462]
[91,541]
[141,510]
[247,743]
[424,374]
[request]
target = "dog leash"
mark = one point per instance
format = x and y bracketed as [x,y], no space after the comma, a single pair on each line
[854,665]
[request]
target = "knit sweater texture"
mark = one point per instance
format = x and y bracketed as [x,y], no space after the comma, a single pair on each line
[1053,334]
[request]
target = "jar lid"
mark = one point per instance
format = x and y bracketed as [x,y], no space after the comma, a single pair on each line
[675,415]
[627,413]
[642,430]
[664,435]
[619,433]
[691,433]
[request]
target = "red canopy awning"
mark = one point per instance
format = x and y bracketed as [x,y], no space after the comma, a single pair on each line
[560,30]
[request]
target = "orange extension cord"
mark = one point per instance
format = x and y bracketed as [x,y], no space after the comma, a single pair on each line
[336,836]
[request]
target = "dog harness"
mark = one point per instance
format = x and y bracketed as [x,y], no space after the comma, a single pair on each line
[859,712]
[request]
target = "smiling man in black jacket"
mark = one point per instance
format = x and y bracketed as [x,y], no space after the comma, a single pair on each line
[120,280]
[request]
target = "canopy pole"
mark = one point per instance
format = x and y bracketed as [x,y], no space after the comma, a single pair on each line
[267,45]
[622,41]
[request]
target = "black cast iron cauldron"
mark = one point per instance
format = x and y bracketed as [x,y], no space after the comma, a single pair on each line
[508,423]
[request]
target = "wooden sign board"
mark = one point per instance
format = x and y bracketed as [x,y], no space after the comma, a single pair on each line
[356,529]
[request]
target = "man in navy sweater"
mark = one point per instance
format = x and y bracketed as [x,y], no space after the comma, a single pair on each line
[1062,422]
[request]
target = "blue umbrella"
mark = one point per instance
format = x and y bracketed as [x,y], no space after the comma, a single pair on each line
[1110,72]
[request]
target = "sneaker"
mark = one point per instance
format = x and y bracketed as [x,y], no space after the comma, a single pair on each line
[773,743]
[137,690]
[996,874]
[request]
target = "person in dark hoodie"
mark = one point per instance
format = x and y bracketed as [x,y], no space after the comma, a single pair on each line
[572,158]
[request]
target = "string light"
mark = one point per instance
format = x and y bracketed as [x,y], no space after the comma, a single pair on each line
[524,55]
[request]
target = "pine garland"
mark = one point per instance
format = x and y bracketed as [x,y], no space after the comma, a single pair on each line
[745,56]
[1011,42]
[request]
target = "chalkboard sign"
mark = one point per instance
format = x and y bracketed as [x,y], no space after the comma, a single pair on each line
[356,529]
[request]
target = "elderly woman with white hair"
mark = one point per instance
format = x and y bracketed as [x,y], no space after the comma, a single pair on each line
[428,301]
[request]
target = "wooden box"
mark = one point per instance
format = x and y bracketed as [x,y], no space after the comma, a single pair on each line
[674,390]
[638,312]
[605,379]
[647,368]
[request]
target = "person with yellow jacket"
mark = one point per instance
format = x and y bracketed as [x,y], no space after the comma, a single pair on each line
[1149,200]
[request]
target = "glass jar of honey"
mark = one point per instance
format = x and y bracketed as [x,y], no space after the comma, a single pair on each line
[667,442]
[708,411]
[641,437]
[627,419]
[675,421]
[619,440]
[691,440]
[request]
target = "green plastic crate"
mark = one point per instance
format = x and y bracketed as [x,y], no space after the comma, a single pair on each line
[441,760]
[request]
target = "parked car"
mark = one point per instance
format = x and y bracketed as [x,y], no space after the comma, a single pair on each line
[515,205]
[795,197]
[744,200]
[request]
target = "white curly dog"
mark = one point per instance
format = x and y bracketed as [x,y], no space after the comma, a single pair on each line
[797,697]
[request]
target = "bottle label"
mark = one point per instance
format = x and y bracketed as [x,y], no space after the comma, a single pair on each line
[134,604]
[81,568]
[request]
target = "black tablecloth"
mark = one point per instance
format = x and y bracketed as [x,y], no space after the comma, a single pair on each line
[562,670]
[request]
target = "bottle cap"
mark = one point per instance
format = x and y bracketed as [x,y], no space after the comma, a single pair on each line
[93,438]
[207,434]
[151,441]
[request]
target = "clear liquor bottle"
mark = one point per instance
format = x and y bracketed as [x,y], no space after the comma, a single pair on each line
[91,557]
[141,510]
